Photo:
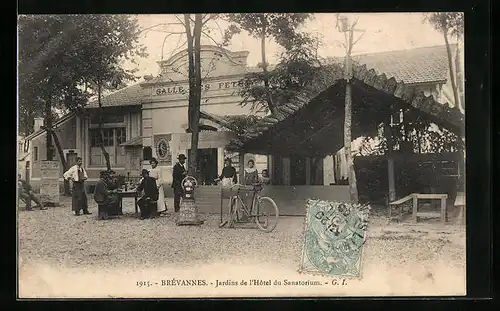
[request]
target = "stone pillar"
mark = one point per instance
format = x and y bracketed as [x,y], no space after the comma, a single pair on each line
[49,185]
[241,166]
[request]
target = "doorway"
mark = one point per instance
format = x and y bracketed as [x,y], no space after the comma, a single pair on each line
[206,163]
[297,170]
[71,158]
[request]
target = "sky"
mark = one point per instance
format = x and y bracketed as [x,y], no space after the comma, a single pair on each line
[383,32]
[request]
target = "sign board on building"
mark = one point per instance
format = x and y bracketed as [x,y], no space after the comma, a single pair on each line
[49,186]
[184,89]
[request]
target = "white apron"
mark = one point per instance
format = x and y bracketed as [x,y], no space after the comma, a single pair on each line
[156,174]
[227,182]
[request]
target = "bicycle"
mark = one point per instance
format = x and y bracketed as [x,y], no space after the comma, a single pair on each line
[263,210]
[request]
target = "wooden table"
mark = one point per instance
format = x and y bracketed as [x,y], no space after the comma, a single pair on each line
[128,194]
[415,213]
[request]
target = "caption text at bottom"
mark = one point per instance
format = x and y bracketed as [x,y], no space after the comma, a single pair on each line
[231,283]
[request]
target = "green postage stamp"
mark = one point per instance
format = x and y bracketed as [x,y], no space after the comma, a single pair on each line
[334,236]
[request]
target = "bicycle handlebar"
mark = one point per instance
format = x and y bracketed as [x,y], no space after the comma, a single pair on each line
[240,185]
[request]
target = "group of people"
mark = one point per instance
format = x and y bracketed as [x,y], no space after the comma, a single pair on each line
[229,176]
[151,193]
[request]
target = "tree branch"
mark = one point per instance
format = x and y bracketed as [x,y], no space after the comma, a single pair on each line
[180,20]
[173,51]
[361,36]
[151,27]
[229,58]
[208,18]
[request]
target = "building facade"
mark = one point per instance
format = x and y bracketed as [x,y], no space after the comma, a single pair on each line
[149,119]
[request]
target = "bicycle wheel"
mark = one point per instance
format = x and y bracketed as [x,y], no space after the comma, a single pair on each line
[268,214]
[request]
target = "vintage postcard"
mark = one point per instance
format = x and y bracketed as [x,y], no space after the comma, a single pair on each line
[241,155]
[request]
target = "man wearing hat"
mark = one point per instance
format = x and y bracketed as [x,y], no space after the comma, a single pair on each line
[148,201]
[178,174]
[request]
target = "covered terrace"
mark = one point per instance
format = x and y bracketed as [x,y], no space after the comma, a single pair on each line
[312,126]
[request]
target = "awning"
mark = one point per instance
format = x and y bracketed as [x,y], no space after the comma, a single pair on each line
[136,141]
[312,124]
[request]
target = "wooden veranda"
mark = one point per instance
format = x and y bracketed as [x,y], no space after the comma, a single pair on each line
[312,124]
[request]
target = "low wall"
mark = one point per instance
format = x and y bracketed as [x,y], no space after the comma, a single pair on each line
[291,200]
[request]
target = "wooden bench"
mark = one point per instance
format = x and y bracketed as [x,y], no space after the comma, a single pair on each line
[415,213]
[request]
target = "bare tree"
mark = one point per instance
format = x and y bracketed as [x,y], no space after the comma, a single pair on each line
[348,30]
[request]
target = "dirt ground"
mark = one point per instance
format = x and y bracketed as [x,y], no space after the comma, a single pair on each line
[61,255]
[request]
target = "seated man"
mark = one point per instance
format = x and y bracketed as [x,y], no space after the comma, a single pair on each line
[113,185]
[107,202]
[148,201]
[27,195]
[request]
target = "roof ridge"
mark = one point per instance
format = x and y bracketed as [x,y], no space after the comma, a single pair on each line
[403,50]
[115,92]
[123,88]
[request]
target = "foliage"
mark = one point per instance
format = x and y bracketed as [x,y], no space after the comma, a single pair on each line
[62,57]
[289,78]
[265,91]
[419,133]
[282,27]
[106,43]
[240,123]
[451,23]
[47,65]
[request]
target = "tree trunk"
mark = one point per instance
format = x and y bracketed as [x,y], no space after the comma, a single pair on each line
[48,125]
[194,49]
[63,160]
[101,130]
[270,102]
[353,189]
[452,73]
[390,160]
[191,73]
[197,93]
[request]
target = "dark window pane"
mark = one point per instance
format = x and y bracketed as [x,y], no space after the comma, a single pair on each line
[108,119]
[120,135]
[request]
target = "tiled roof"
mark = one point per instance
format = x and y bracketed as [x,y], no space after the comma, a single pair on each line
[418,65]
[442,113]
[128,96]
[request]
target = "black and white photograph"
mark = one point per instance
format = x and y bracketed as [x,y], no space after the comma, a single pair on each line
[239,155]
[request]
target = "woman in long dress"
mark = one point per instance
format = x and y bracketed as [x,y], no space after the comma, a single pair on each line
[155,172]
[251,177]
